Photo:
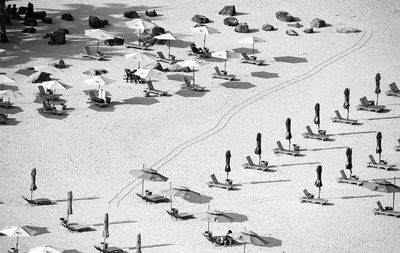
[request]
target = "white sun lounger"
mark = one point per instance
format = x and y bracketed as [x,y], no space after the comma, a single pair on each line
[394,90]
[216,183]
[366,106]
[281,150]
[310,134]
[251,165]
[352,180]
[219,75]
[309,198]
[388,212]
[374,164]
[339,119]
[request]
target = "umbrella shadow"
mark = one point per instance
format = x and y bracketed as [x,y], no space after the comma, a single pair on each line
[270,242]
[39,230]
[13,110]
[109,108]
[351,133]
[297,164]
[191,94]
[72,251]
[77,199]
[141,101]
[152,246]
[264,74]
[241,13]
[320,149]
[54,116]
[11,122]
[108,94]
[180,43]
[245,50]
[179,77]
[214,59]
[290,59]
[359,197]
[268,181]
[237,85]
[115,223]
[393,117]
[253,30]
[25,72]
[237,217]
[202,199]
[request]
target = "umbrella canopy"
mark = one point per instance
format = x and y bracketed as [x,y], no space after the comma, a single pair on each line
[149,175]
[383,186]
[182,192]
[346,104]
[143,58]
[288,135]
[10,93]
[105,233]
[227,162]
[139,24]
[251,40]
[379,144]
[349,164]
[43,249]
[33,186]
[99,80]
[225,54]
[139,244]
[193,64]
[377,83]
[258,151]
[151,74]
[168,37]
[215,216]
[317,116]
[5,80]
[53,85]
[204,30]
[99,34]
[249,237]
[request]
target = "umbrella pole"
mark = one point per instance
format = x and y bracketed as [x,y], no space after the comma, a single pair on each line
[138,37]
[204,42]
[244,247]
[208,227]
[348,113]
[193,75]
[289,144]
[253,48]
[169,49]
[31,195]
[394,194]
[225,66]
[142,187]
[97,49]
[170,196]
[319,192]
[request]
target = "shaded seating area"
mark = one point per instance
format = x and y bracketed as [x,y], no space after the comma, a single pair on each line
[311,135]
[5,104]
[251,60]
[281,150]
[352,180]
[198,51]
[3,118]
[251,165]
[98,101]
[43,94]
[220,75]
[151,90]
[309,198]
[339,119]
[174,212]
[89,54]
[393,90]
[194,87]
[388,211]
[48,108]
[221,240]
[73,227]
[161,58]
[370,106]
[381,165]
[153,198]
[39,201]
[215,183]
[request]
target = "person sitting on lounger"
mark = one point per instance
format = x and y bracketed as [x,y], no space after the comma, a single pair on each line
[228,239]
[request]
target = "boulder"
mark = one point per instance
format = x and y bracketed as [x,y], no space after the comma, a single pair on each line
[39,77]
[66,31]
[22,10]
[59,64]
[347,29]
[95,72]
[309,30]
[284,16]
[151,13]
[228,10]
[67,17]
[30,22]
[47,20]
[117,41]
[295,25]
[95,22]
[267,27]
[242,28]
[29,30]
[317,22]
[57,38]
[200,19]
[131,14]
[157,30]
[39,14]
[231,21]
[291,32]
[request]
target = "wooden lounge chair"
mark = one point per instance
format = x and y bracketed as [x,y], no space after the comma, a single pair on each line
[73,227]
[109,249]
[46,109]
[394,90]
[96,100]
[352,180]
[216,183]
[281,150]
[137,46]
[380,165]
[162,58]
[198,52]
[150,89]
[44,95]
[39,202]
[369,106]
[179,216]
[88,53]
[193,87]
[153,198]
[385,211]
[339,119]
[251,165]
[218,74]
[310,134]
[219,240]
[309,198]
[247,59]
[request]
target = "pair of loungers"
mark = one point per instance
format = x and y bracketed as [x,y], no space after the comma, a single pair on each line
[339,119]
[161,58]
[151,90]
[5,104]
[98,101]
[388,211]
[281,150]
[309,198]
[251,60]
[149,197]
[381,165]
[48,109]
[198,51]
[394,90]
[179,215]
[89,54]
[369,106]
[397,148]
[3,118]
[319,136]
[253,166]
[215,183]
[220,75]
[220,240]
[46,95]
[193,87]
[352,180]
[137,46]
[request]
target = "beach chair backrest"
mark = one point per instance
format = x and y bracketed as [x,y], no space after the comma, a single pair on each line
[279,145]
[45,105]
[306,193]
[338,114]
[161,55]
[372,159]
[186,80]
[364,101]
[398,140]
[309,130]
[394,88]
[41,90]
[150,85]
[344,176]
[217,71]
[245,56]
[194,48]
[249,160]
[87,50]
[214,179]
[92,95]
[380,206]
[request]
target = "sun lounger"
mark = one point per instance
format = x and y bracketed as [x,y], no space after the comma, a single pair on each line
[50,110]
[109,249]
[44,95]
[193,87]
[150,89]
[380,165]
[198,52]
[394,90]
[98,101]
[218,74]
[309,198]
[216,183]
[5,104]
[310,134]
[397,148]
[137,46]
[281,150]
[251,165]
[179,216]
[339,119]
[219,240]
[352,180]
[247,59]
[154,198]
[369,106]
[162,58]
[385,211]
[39,202]
[73,227]
[88,53]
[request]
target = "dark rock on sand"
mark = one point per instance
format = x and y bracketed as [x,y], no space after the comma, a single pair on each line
[317,22]
[284,16]
[117,41]
[267,27]
[67,17]
[59,64]
[57,38]
[200,19]
[151,13]
[47,20]
[309,30]
[30,22]
[347,29]
[242,28]
[96,22]
[295,25]
[131,14]
[231,21]
[40,77]
[228,10]
[39,14]
[29,30]
[157,30]
[291,33]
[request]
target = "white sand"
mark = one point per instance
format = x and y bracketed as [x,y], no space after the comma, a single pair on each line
[91,152]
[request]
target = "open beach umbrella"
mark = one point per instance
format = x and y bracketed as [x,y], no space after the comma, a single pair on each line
[143,59]
[346,104]
[99,35]
[149,175]
[5,80]
[69,205]
[53,85]
[105,233]
[383,186]
[206,30]
[249,237]
[318,182]
[2,50]
[168,37]
[288,135]
[349,163]
[33,186]
[18,231]
[227,163]
[225,54]
[379,145]
[139,244]
[182,192]
[317,120]
[150,74]
[192,64]
[10,93]
[139,25]
[377,86]
[99,80]
[214,216]
[43,249]
[257,151]
[251,40]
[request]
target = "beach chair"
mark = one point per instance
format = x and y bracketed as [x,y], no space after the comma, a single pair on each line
[198,52]
[369,106]
[381,165]
[150,89]
[339,119]
[96,100]
[219,240]
[394,90]
[397,148]
[218,74]
[309,198]
[194,87]
[385,211]
[46,109]
[44,95]
[310,134]
[247,59]
[149,197]
[137,46]
[281,150]
[74,227]
[179,216]
[39,202]
[109,249]
[352,180]
[88,53]
[5,104]
[162,58]
[251,165]
[215,183]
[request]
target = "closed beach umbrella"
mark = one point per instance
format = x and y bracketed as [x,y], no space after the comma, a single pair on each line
[33,182]
[318,182]
[206,30]
[317,120]
[149,175]
[143,58]
[17,231]
[225,54]
[383,186]
[346,104]
[99,81]
[349,164]
[150,74]
[5,80]
[43,249]
[69,205]
[252,40]
[379,145]
[98,34]
[257,150]
[139,25]
[105,233]
[168,37]
[377,86]
[249,237]
[227,163]
[288,130]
